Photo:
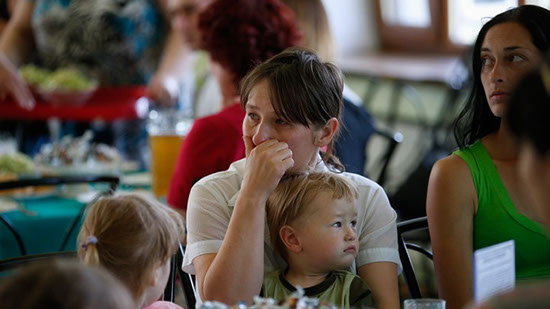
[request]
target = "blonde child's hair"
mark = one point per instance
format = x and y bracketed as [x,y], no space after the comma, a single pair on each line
[130,235]
[294,195]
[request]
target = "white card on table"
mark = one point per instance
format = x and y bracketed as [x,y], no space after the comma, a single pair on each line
[494,270]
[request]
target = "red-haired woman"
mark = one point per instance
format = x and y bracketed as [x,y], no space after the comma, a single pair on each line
[237,35]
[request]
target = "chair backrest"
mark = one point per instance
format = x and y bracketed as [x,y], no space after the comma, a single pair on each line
[356,128]
[113,182]
[403,227]
[393,139]
[13,263]
[187,280]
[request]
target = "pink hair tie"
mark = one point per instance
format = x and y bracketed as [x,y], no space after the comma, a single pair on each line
[90,240]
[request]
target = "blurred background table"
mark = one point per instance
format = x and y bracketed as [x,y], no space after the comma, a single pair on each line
[46,211]
[404,69]
[41,223]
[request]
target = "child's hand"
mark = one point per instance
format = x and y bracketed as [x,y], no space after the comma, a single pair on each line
[266,163]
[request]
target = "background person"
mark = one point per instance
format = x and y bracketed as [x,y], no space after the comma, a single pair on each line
[133,237]
[292,103]
[63,284]
[6,10]
[235,35]
[53,30]
[116,43]
[357,123]
[474,196]
[312,221]
[200,88]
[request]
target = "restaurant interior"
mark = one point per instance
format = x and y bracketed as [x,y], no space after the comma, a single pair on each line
[73,137]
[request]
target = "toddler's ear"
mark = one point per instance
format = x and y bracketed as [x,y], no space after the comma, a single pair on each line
[290,239]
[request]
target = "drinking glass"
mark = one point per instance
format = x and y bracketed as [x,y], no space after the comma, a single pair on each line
[424,303]
[166,129]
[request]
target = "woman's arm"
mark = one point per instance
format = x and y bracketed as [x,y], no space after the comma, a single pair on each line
[163,87]
[378,256]
[16,43]
[451,205]
[236,271]
[17,40]
[381,277]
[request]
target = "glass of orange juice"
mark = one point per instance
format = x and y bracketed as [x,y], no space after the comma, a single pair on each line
[166,129]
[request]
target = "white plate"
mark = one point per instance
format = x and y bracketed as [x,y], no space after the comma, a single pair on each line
[64,97]
[7,205]
[136,179]
[114,168]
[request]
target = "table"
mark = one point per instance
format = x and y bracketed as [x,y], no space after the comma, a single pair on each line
[46,212]
[401,69]
[405,67]
[42,225]
[107,103]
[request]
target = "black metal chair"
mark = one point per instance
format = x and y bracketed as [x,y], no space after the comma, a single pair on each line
[403,227]
[187,280]
[113,182]
[393,139]
[13,263]
[358,130]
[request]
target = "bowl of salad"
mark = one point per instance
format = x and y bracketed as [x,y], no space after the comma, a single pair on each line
[64,86]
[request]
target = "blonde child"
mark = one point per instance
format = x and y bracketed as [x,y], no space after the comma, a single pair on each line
[312,222]
[133,237]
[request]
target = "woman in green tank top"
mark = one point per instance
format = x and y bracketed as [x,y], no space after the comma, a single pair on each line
[527,118]
[475,198]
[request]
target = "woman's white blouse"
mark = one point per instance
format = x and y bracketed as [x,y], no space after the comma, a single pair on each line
[213,198]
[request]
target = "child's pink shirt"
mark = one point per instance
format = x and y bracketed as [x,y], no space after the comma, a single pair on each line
[162,305]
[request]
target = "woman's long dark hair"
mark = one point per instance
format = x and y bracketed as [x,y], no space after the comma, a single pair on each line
[476,119]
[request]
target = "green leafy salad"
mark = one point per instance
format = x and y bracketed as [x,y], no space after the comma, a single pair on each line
[15,163]
[64,79]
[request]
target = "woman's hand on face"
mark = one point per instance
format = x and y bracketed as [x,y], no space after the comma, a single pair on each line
[12,83]
[266,164]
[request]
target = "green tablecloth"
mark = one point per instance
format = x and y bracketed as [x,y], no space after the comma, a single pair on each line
[42,226]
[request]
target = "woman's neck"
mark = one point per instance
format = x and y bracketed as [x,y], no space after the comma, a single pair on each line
[229,92]
[314,161]
[501,144]
[229,100]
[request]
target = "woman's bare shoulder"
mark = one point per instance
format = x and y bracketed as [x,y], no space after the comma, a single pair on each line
[452,165]
[451,182]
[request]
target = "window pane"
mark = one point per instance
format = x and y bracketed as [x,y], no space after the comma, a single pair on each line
[467,16]
[408,13]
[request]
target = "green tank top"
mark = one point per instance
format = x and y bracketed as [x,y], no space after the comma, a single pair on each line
[498,220]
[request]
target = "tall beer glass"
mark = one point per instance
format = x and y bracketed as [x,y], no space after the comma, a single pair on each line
[167,129]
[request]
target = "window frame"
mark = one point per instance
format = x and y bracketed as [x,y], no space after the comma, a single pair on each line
[432,39]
